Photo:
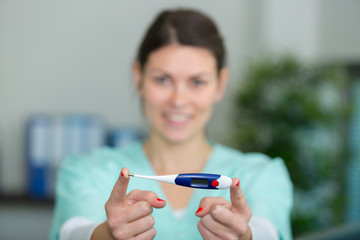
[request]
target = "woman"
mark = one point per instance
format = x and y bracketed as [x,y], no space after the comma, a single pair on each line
[179,75]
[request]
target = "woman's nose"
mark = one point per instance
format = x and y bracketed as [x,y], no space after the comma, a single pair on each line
[178,97]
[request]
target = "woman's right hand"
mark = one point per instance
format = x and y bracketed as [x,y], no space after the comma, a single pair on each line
[128,216]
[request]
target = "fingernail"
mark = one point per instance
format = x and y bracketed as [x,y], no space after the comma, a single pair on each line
[238,183]
[160,200]
[199,210]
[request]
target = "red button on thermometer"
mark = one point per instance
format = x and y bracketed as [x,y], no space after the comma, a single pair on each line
[193,180]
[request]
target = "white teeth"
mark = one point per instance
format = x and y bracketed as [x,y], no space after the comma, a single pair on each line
[177,118]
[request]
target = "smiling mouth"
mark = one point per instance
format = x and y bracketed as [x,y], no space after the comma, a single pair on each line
[177,119]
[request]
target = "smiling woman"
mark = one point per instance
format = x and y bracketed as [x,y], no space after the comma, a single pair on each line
[179,74]
[178,95]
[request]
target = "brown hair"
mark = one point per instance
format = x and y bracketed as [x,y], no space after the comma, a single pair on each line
[186,27]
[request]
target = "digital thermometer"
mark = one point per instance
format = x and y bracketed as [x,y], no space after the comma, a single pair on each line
[193,180]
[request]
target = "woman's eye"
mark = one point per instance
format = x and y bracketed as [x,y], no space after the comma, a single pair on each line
[197,82]
[162,79]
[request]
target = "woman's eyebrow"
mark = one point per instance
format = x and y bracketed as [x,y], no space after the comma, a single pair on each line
[157,70]
[193,75]
[201,74]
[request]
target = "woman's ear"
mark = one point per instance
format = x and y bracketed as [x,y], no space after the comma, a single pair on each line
[223,80]
[137,77]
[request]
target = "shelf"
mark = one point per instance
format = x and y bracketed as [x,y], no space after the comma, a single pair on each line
[24,200]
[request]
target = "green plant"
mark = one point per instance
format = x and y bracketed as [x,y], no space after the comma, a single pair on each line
[286,109]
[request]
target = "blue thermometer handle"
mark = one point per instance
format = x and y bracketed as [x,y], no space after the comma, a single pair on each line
[193,180]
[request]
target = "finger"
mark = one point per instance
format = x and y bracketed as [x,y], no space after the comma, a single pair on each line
[225,224]
[141,225]
[205,233]
[222,215]
[118,193]
[148,196]
[237,197]
[232,222]
[215,227]
[149,234]
[135,211]
[129,230]
[207,203]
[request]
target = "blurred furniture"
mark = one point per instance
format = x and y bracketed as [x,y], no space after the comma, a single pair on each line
[345,232]
[24,218]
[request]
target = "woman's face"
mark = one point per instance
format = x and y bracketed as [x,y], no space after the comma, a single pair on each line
[179,86]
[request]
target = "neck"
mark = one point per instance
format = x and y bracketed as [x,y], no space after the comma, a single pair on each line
[171,158]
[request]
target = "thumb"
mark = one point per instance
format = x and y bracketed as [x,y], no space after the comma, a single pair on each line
[118,193]
[237,197]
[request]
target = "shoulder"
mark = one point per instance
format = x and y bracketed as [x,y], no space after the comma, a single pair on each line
[104,157]
[254,159]
[255,166]
[97,170]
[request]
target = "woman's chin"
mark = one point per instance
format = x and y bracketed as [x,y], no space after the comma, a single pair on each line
[176,138]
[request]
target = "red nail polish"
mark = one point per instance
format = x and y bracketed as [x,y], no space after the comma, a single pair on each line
[160,200]
[238,183]
[199,210]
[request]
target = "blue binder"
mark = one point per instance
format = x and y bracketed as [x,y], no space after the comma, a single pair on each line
[123,135]
[38,154]
[82,133]
[49,140]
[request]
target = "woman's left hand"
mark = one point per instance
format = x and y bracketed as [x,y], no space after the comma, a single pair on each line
[223,220]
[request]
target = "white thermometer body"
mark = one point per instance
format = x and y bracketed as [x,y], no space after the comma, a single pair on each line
[193,180]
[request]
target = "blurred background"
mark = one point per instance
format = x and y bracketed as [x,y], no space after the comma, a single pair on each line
[294,92]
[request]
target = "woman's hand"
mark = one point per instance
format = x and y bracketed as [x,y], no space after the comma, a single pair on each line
[128,216]
[223,220]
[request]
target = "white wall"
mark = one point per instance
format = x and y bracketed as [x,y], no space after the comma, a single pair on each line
[60,57]
[339,31]
[291,26]
[316,30]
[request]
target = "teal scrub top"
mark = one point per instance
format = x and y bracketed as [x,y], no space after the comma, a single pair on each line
[84,184]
